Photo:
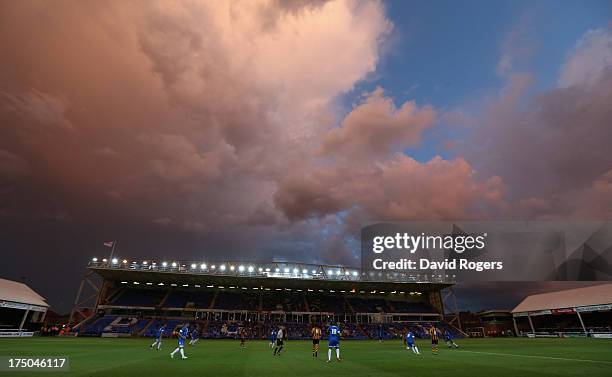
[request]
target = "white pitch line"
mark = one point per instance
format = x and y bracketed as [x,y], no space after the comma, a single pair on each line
[539,357]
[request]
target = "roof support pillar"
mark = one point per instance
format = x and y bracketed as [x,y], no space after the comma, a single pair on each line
[581,322]
[531,324]
[25,315]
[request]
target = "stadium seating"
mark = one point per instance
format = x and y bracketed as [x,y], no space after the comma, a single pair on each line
[287,303]
[182,299]
[97,325]
[173,303]
[265,301]
[139,297]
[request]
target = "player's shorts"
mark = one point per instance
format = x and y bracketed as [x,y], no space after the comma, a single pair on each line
[315,341]
[279,342]
[158,339]
[434,341]
[410,344]
[333,344]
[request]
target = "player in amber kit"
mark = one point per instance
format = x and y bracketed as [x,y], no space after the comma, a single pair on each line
[433,332]
[243,334]
[315,334]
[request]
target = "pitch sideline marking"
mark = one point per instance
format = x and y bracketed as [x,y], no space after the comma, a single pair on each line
[538,357]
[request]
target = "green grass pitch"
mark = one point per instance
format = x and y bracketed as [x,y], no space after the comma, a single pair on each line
[220,358]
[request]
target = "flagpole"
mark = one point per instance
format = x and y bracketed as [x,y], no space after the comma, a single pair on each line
[112,251]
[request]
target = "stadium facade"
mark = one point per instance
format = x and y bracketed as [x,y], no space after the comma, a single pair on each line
[133,297]
[580,311]
[22,310]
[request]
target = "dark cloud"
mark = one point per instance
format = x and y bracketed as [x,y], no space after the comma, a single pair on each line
[165,126]
[551,149]
[200,131]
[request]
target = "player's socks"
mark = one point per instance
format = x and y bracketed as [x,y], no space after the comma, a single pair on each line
[338,353]
[183,354]
[329,355]
[173,352]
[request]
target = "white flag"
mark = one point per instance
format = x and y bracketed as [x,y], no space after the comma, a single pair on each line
[109,244]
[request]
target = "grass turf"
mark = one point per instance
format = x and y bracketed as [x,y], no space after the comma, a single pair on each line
[219,358]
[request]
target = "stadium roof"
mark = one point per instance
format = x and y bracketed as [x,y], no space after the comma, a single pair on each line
[20,293]
[571,298]
[174,277]
[287,275]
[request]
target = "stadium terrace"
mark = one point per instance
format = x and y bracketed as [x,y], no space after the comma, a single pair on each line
[132,297]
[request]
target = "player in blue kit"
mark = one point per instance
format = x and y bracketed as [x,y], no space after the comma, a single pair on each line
[158,337]
[410,343]
[182,336]
[333,341]
[272,338]
[195,336]
[448,337]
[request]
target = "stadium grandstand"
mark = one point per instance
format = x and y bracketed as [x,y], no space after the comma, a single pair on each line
[574,312]
[133,298]
[22,311]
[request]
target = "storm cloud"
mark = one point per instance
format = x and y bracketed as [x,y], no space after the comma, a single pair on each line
[202,130]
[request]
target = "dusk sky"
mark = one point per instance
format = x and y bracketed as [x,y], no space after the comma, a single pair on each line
[273,130]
